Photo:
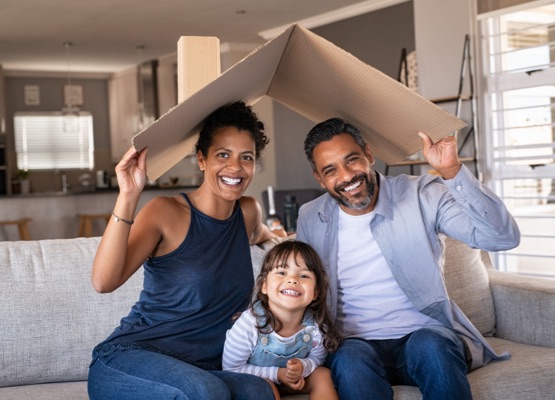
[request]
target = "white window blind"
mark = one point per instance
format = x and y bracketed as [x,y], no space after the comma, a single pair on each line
[518,50]
[54,141]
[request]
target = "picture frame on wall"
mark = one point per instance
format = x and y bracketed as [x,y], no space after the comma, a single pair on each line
[31,95]
[73,95]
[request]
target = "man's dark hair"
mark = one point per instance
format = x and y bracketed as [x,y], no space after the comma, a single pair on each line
[325,131]
[237,115]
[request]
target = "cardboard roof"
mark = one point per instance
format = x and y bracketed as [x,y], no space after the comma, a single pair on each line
[318,80]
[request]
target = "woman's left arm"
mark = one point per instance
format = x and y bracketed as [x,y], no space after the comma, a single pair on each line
[258,231]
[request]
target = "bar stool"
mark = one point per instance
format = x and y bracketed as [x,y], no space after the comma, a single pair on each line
[22,226]
[85,222]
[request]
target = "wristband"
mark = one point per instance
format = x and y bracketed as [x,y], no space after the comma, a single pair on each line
[117,219]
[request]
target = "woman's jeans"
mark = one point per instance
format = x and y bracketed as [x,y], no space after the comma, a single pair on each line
[432,358]
[145,375]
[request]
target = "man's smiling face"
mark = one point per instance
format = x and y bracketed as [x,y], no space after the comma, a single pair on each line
[345,170]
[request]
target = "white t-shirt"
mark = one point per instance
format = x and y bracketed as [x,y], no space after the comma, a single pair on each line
[371,305]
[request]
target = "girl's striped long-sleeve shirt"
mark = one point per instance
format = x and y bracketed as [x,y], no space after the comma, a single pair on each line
[242,338]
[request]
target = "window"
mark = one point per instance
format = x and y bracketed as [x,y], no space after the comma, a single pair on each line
[54,141]
[518,53]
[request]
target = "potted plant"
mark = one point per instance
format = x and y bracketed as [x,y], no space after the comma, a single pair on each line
[23,175]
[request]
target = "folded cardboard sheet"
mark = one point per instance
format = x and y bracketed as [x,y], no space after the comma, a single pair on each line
[316,79]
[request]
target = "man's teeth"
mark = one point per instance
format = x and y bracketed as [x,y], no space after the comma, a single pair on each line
[353,186]
[231,181]
[289,291]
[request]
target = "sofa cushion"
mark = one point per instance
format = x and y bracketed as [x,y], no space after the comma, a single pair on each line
[51,316]
[467,283]
[47,391]
[528,374]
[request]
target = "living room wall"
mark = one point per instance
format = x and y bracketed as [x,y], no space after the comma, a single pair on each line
[95,102]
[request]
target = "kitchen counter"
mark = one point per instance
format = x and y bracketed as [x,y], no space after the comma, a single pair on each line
[54,214]
[57,193]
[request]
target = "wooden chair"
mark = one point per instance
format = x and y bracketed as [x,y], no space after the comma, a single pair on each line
[22,226]
[86,220]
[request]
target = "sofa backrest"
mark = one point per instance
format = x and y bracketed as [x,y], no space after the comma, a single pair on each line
[50,316]
[467,283]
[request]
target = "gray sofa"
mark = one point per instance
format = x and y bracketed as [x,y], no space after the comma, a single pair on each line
[50,319]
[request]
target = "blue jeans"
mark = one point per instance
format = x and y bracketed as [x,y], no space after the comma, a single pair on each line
[432,358]
[145,375]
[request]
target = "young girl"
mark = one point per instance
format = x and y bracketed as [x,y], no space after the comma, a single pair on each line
[285,334]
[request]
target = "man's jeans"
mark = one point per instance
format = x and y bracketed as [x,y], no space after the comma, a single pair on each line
[432,358]
[145,375]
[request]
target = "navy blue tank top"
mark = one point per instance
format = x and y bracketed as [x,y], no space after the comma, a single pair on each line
[191,294]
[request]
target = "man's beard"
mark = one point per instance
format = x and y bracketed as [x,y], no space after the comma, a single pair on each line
[361,200]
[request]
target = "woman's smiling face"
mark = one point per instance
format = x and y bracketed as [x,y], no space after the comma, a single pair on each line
[230,163]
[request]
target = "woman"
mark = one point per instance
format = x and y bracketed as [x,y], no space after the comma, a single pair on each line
[197,272]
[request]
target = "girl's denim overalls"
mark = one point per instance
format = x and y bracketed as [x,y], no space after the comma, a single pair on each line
[270,350]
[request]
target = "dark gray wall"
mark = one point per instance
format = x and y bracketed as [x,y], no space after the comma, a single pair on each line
[376,38]
[95,97]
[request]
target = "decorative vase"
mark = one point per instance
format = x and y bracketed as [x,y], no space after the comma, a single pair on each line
[24,184]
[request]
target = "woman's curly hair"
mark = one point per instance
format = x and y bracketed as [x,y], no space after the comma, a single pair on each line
[237,115]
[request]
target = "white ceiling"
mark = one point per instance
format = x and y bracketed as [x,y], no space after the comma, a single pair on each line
[105,33]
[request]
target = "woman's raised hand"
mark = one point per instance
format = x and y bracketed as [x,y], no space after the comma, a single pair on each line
[131,171]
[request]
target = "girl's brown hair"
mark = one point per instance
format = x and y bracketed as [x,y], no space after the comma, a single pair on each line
[278,256]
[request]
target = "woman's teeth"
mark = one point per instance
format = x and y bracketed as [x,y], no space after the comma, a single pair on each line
[231,181]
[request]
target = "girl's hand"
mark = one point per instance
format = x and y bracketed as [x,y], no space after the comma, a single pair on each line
[442,155]
[292,374]
[131,171]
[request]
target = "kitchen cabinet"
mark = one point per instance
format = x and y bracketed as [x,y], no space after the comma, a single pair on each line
[4,165]
[123,97]
[4,175]
[133,105]
[54,214]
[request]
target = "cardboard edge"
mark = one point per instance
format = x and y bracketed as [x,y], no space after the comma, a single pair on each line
[161,161]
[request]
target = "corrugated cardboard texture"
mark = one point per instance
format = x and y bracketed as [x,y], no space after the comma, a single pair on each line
[318,80]
[198,63]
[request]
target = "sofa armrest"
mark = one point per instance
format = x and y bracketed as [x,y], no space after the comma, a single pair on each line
[524,308]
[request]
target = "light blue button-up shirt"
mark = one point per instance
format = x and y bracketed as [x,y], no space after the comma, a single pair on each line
[412,215]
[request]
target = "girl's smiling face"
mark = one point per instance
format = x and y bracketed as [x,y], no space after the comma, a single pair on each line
[230,163]
[290,286]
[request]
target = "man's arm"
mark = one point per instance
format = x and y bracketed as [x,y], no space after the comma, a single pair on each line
[488,224]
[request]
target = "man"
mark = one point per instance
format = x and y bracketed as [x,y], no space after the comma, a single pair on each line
[381,241]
